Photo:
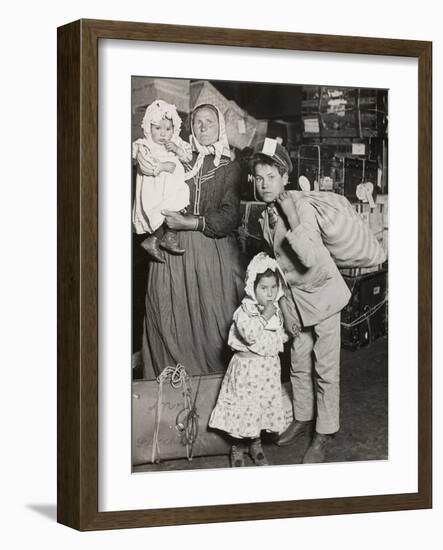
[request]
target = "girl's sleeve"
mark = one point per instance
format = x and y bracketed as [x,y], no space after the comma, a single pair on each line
[283,334]
[249,326]
[221,221]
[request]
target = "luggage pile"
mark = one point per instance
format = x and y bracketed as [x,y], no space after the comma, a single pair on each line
[171,414]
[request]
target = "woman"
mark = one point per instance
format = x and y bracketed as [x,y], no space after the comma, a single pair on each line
[190,299]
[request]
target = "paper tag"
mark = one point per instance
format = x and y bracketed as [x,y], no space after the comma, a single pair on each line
[241,126]
[363,192]
[311,125]
[369,188]
[326,183]
[358,148]
[269,147]
[304,183]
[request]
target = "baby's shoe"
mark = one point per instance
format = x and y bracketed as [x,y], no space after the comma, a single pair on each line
[150,244]
[169,242]
[257,454]
[237,456]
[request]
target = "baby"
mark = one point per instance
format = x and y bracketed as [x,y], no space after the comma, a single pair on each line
[160,183]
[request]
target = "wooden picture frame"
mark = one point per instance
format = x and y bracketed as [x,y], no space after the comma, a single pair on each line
[77,386]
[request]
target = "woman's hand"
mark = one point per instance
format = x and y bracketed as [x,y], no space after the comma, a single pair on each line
[175,220]
[166,167]
[287,206]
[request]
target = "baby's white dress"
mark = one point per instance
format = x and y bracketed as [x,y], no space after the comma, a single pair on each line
[165,191]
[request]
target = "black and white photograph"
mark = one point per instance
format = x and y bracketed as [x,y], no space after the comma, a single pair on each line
[259,222]
[220,334]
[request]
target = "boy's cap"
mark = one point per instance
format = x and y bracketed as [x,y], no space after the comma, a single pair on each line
[273,150]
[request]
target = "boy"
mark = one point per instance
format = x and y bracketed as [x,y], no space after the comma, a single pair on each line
[315,291]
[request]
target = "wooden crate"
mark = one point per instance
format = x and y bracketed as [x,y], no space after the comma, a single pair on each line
[365,318]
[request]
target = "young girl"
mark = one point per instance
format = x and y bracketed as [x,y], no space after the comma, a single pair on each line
[161,153]
[250,397]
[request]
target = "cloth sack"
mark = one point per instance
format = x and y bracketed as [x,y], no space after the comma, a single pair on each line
[348,238]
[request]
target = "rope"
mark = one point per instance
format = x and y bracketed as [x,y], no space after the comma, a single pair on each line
[365,316]
[187,421]
[187,418]
[369,328]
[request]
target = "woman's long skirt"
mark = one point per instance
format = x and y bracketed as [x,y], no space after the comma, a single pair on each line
[190,301]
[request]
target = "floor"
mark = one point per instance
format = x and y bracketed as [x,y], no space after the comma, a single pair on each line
[364,418]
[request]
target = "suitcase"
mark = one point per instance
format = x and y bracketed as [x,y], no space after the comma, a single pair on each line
[365,318]
[249,233]
[372,111]
[247,183]
[172,90]
[171,421]
[338,112]
[329,112]
[240,126]
[202,91]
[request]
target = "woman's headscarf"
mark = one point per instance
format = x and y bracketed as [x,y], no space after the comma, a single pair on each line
[218,149]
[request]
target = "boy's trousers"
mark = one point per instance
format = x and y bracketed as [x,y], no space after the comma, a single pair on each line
[315,374]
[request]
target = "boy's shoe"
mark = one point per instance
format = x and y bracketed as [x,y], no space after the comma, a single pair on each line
[150,244]
[296,429]
[169,242]
[317,449]
[257,454]
[237,456]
